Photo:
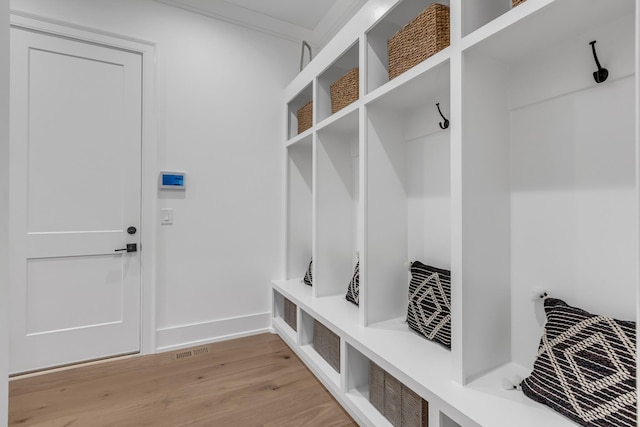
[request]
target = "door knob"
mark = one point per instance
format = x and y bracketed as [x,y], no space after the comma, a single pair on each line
[131,247]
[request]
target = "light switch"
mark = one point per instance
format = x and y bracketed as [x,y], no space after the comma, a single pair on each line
[166,216]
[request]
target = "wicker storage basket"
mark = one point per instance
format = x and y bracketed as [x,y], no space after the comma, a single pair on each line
[392,400]
[290,314]
[514,3]
[305,117]
[376,387]
[327,344]
[415,410]
[345,90]
[398,403]
[426,35]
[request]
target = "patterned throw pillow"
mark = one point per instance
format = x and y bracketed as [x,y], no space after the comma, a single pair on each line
[307,279]
[353,291]
[586,367]
[429,311]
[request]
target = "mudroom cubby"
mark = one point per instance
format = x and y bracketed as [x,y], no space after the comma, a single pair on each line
[300,100]
[378,34]
[499,158]
[280,315]
[299,207]
[408,195]
[345,63]
[337,203]
[544,158]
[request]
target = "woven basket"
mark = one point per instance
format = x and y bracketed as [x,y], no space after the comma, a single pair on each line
[327,344]
[305,117]
[376,387]
[398,403]
[426,35]
[290,314]
[345,90]
[393,400]
[514,3]
[415,410]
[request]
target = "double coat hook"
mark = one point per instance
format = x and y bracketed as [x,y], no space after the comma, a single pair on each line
[446,122]
[602,73]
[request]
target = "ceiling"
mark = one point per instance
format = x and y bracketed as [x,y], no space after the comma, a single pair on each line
[315,21]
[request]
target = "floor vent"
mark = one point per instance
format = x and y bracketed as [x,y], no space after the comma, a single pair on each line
[185,354]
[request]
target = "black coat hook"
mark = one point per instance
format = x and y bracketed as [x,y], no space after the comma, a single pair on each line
[446,122]
[602,73]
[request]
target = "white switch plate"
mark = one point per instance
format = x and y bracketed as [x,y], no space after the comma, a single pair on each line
[166,216]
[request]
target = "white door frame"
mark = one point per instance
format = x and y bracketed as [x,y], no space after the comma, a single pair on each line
[149,151]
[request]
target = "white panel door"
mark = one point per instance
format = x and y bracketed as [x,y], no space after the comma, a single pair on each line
[74,191]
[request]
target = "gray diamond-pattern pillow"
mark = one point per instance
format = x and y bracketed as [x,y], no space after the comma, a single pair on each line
[586,367]
[429,311]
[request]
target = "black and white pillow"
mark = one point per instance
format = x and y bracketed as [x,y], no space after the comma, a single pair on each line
[308,279]
[353,291]
[586,367]
[429,311]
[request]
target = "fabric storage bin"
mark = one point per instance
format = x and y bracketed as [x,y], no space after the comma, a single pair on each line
[345,90]
[421,38]
[305,117]
[327,344]
[290,314]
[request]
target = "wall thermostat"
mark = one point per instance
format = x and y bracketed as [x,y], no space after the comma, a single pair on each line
[172,180]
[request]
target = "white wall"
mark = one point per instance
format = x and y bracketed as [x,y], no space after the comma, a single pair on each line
[220,119]
[4,204]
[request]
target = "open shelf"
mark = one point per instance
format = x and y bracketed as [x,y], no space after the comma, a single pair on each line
[540,24]
[359,398]
[345,63]
[379,34]
[293,106]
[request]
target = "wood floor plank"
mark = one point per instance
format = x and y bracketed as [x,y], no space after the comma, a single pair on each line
[253,381]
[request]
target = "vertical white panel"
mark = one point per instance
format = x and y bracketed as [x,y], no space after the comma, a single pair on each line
[386,208]
[485,241]
[299,176]
[92,286]
[4,209]
[336,197]
[60,88]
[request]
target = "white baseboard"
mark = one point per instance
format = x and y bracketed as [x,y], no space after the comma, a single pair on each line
[177,337]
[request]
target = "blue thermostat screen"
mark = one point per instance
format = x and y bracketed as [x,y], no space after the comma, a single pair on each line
[172,180]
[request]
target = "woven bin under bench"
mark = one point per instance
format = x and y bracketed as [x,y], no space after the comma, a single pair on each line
[327,344]
[421,38]
[345,90]
[291,314]
[514,3]
[398,403]
[305,117]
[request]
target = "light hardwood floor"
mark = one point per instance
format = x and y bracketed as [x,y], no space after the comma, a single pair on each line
[253,381]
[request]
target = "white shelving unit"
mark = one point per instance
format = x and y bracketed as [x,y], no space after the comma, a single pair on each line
[533,187]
